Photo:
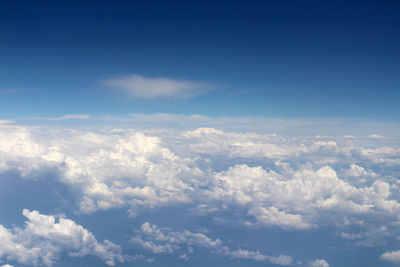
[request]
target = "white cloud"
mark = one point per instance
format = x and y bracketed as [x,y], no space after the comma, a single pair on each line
[2,122]
[350,236]
[63,118]
[392,256]
[358,171]
[273,180]
[150,88]
[73,117]
[319,263]
[163,240]
[45,237]
[376,136]
[255,180]
[294,199]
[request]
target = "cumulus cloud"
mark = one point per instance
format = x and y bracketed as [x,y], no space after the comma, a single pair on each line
[109,169]
[391,256]
[163,240]
[298,199]
[319,263]
[280,183]
[257,180]
[45,237]
[150,88]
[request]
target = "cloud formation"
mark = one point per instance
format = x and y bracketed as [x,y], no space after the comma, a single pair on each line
[297,183]
[319,263]
[391,256]
[45,237]
[131,169]
[138,86]
[6,122]
[163,240]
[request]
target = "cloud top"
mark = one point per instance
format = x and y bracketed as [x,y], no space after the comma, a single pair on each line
[152,88]
[159,240]
[45,237]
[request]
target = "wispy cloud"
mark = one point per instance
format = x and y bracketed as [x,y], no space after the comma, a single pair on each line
[63,118]
[6,122]
[375,136]
[72,117]
[151,88]
[9,91]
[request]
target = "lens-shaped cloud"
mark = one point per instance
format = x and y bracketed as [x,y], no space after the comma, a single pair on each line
[137,86]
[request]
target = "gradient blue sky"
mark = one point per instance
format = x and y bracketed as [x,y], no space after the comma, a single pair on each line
[286,59]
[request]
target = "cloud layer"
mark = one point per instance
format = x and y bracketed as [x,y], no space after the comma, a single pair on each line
[291,183]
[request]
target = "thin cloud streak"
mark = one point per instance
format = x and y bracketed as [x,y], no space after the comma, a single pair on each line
[137,86]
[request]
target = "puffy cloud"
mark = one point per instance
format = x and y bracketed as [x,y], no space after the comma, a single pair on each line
[358,171]
[149,88]
[289,182]
[392,256]
[296,199]
[164,240]
[45,237]
[319,263]
[256,180]
[350,235]
[110,170]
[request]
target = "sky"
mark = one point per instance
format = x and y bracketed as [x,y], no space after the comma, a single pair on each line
[285,59]
[200,133]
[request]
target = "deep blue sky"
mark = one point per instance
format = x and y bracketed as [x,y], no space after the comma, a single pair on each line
[269,58]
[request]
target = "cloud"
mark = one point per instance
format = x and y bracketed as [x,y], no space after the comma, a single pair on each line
[163,240]
[63,118]
[2,122]
[138,86]
[9,91]
[300,187]
[392,256]
[319,263]
[73,117]
[257,180]
[350,236]
[45,237]
[262,126]
[376,136]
